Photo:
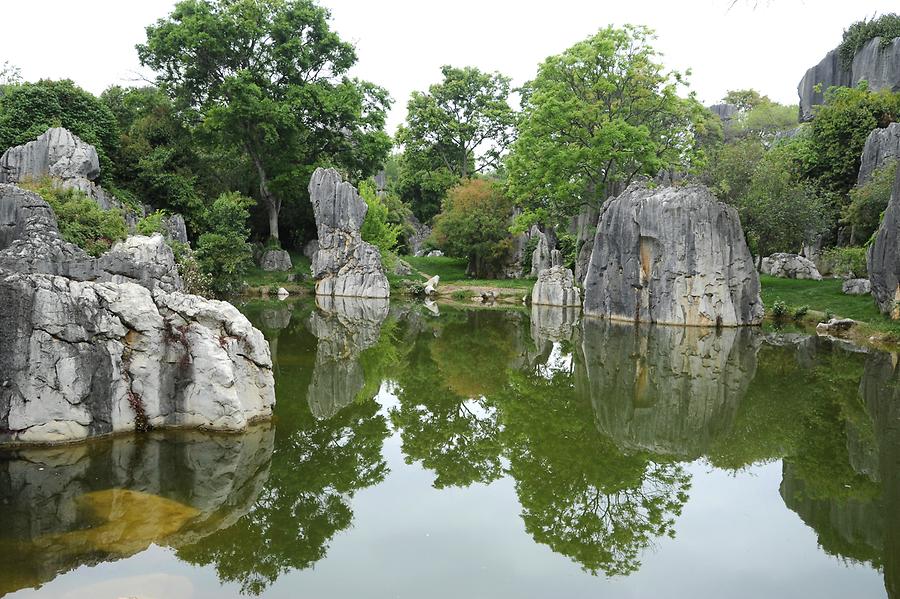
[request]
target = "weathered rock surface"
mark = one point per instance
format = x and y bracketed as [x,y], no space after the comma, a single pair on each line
[880,67]
[170,489]
[856,287]
[431,285]
[175,228]
[275,260]
[416,239]
[81,359]
[345,327]
[790,266]
[402,268]
[540,257]
[555,286]
[61,156]
[883,257]
[671,255]
[344,264]
[434,254]
[148,261]
[882,146]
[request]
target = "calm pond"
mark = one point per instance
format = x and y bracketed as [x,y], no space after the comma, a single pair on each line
[488,453]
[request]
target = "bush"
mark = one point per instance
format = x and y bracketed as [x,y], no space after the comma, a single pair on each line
[846,261]
[152,223]
[195,280]
[414,288]
[567,244]
[887,27]
[459,295]
[868,202]
[81,221]
[223,252]
[779,310]
[376,229]
[800,312]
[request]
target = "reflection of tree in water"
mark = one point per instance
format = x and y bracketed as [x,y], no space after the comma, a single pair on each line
[580,495]
[317,467]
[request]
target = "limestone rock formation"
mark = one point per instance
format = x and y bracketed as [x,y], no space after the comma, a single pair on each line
[420,232]
[882,146]
[856,287]
[431,285]
[555,286]
[81,359]
[540,257]
[790,266]
[344,264]
[671,255]
[175,228]
[275,260]
[883,257]
[345,327]
[880,67]
[148,261]
[310,248]
[402,268]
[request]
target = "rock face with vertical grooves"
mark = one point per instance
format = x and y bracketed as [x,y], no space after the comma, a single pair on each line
[882,146]
[879,66]
[789,266]
[555,286]
[883,257]
[671,255]
[344,264]
[540,257]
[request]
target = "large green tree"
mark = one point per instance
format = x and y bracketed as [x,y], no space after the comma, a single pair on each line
[595,117]
[459,127]
[269,78]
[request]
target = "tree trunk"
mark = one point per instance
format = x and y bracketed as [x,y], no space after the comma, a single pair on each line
[273,204]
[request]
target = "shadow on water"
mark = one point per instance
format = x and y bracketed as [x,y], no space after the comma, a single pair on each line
[594,422]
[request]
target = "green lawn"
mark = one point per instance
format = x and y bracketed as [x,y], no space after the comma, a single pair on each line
[453,271]
[257,277]
[823,296]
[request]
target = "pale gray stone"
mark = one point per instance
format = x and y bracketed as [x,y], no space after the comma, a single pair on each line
[856,287]
[883,257]
[555,285]
[880,67]
[790,266]
[882,146]
[344,264]
[672,255]
[148,261]
[432,284]
[434,254]
[540,257]
[275,261]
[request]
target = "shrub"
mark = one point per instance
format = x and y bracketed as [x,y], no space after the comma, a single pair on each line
[414,288]
[800,312]
[567,243]
[223,252]
[868,202]
[376,229]
[195,280]
[459,295]
[779,310]
[846,261]
[81,221]
[887,27]
[152,223]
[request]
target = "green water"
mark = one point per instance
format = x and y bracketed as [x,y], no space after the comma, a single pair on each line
[488,453]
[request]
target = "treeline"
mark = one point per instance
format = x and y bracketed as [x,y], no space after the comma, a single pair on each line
[251,96]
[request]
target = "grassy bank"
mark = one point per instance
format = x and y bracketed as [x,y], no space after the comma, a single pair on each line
[453,273]
[259,280]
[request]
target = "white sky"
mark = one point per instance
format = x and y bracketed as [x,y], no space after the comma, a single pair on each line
[766,45]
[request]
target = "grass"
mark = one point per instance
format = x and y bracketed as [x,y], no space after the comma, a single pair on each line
[257,277]
[825,296]
[453,272]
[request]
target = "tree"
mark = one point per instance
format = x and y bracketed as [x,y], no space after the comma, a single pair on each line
[745,99]
[9,74]
[474,223]
[223,251]
[457,128]
[596,116]
[27,110]
[268,79]
[377,228]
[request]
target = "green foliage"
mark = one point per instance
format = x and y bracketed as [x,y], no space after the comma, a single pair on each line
[836,136]
[81,221]
[459,295]
[567,244]
[731,168]
[846,261]
[196,281]
[281,98]
[800,312]
[868,202]
[152,223]
[596,116]
[768,118]
[29,109]
[376,228]
[779,309]
[886,26]
[474,223]
[745,99]
[222,251]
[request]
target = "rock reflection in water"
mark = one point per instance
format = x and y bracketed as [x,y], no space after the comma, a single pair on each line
[345,327]
[109,499]
[667,390]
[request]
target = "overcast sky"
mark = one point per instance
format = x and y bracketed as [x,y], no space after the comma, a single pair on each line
[766,45]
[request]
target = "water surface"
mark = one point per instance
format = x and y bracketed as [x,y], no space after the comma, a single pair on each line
[488,453]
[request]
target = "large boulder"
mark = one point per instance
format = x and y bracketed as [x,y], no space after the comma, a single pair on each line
[672,255]
[789,266]
[81,359]
[148,261]
[64,158]
[877,65]
[856,287]
[882,146]
[344,264]
[883,257]
[540,257]
[555,286]
[273,260]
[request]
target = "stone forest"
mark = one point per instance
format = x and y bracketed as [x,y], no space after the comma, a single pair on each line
[610,342]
